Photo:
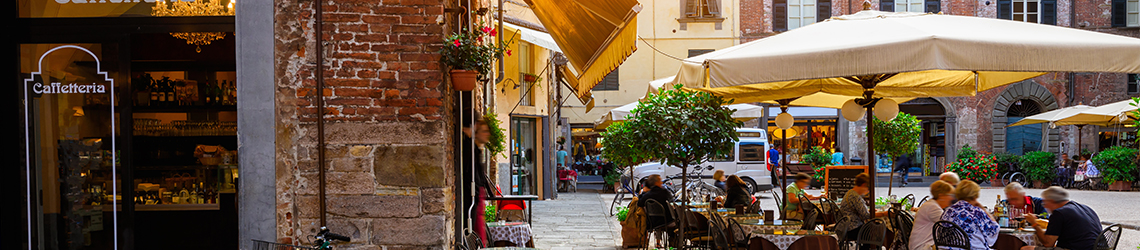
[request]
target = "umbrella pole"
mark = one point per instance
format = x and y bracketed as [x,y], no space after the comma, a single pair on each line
[871,153]
[1080,135]
[783,175]
[684,203]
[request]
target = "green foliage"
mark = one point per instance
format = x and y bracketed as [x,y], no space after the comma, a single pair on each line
[1116,164]
[974,166]
[496,143]
[621,147]
[897,137]
[678,127]
[490,214]
[622,213]
[818,159]
[1005,161]
[612,177]
[472,50]
[1039,166]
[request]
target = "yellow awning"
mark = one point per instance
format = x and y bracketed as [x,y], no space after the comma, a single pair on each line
[596,36]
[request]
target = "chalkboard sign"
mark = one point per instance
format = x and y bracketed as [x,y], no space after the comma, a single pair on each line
[840,179]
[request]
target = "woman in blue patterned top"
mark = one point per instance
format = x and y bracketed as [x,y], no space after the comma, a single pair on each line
[967,213]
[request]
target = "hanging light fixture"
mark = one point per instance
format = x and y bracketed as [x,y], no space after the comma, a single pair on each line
[179,8]
[785,121]
[852,111]
[886,110]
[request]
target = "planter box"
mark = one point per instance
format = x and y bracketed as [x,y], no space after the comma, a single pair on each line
[996,182]
[1120,186]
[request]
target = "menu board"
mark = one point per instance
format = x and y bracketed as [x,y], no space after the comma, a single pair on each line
[839,179]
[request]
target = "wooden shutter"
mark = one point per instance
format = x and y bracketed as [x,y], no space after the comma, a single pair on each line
[1005,9]
[779,15]
[933,6]
[713,7]
[690,8]
[822,10]
[1119,13]
[887,5]
[610,82]
[1049,12]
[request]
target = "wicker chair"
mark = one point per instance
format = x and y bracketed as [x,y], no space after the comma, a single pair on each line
[950,235]
[1109,238]
[873,234]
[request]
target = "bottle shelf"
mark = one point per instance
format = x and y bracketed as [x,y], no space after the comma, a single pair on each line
[182,109]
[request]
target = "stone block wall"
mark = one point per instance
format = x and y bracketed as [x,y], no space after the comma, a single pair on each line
[388,129]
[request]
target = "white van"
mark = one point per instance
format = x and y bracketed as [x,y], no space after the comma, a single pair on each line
[748,160]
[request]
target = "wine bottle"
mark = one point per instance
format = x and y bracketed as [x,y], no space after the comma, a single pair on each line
[208,94]
[152,86]
[183,196]
[225,93]
[170,94]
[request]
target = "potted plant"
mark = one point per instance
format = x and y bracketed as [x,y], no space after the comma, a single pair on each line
[973,166]
[611,180]
[819,159]
[496,143]
[531,78]
[1117,167]
[470,55]
[1005,162]
[1039,167]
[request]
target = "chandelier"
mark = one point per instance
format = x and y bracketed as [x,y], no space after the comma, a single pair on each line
[179,8]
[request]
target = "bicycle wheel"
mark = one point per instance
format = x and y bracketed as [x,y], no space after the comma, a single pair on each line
[1017,177]
[1005,178]
[616,203]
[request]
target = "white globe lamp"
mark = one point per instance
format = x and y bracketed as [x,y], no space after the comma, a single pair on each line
[886,110]
[852,111]
[785,121]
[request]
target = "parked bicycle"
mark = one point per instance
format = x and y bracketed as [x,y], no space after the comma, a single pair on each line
[1013,175]
[619,199]
[323,241]
[696,187]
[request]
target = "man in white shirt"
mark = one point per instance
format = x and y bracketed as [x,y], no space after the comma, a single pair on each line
[930,212]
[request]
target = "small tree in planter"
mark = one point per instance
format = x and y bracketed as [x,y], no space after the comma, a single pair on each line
[974,166]
[1040,167]
[1117,167]
[680,128]
[897,138]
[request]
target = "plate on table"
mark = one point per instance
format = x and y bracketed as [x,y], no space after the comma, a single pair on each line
[1029,229]
[1007,230]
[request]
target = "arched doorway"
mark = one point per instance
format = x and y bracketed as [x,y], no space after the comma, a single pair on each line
[1024,138]
[937,132]
[1019,100]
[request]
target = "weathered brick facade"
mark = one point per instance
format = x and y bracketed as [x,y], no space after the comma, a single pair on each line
[979,120]
[388,130]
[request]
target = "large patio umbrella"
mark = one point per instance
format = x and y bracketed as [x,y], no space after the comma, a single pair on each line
[877,55]
[1053,116]
[1105,115]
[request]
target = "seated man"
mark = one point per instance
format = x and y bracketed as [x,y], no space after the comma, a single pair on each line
[1019,203]
[1071,226]
[656,191]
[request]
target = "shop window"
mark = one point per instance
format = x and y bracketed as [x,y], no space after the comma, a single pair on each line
[608,83]
[1125,13]
[1033,11]
[751,151]
[124,8]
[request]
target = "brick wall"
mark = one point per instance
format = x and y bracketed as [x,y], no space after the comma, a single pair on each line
[387,124]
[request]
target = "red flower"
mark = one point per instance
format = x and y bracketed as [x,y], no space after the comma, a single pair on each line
[456,42]
[490,31]
[508,52]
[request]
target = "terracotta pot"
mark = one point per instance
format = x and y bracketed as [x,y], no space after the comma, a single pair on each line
[1120,186]
[463,80]
[996,182]
[529,78]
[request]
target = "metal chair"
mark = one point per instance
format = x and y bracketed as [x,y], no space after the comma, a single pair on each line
[1108,239]
[739,238]
[809,220]
[907,200]
[831,211]
[950,235]
[809,208]
[654,209]
[873,234]
[715,238]
[924,198]
[841,232]
[903,222]
[472,241]
[779,204]
[754,208]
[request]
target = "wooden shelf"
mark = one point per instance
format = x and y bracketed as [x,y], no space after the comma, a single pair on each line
[182,109]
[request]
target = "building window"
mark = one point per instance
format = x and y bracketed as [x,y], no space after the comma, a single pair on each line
[791,14]
[910,6]
[1033,11]
[920,6]
[697,52]
[701,8]
[1125,13]
[608,83]
[526,66]
[1133,83]
[800,13]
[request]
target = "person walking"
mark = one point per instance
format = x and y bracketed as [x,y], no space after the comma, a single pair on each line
[902,164]
[774,163]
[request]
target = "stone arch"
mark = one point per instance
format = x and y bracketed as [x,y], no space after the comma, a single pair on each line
[1024,90]
[951,127]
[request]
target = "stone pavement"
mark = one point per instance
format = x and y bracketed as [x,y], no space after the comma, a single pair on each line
[575,221]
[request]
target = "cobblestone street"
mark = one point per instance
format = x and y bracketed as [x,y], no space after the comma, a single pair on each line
[576,221]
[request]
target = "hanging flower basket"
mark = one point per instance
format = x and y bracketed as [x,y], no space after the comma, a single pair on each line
[464,80]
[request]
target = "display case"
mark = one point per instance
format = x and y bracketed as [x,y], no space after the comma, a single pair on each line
[804,135]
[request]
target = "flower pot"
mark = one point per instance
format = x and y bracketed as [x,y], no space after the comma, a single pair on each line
[996,182]
[530,78]
[1120,186]
[463,80]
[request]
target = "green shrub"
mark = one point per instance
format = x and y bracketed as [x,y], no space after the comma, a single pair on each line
[973,165]
[1116,164]
[623,212]
[490,214]
[612,177]
[1039,166]
[818,159]
[966,152]
[1005,161]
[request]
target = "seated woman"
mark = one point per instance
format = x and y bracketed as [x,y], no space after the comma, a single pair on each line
[792,208]
[921,235]
[737,193]
[718,180]
[854,206]
[967,213]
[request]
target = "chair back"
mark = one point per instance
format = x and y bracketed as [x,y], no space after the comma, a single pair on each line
[718,232]
[779,204]
[739,236]
[754,208]
[809,220]
[1109,238]
[907,200]
[924,198]
[831,211]
[950,235]
[472,241]
[903,222]
[654,209]
[873,234]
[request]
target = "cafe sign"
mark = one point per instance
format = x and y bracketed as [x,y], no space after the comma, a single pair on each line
[38,85]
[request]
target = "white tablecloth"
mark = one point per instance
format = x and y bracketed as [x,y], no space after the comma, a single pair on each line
[783,241]
[514,232]
[1029,238]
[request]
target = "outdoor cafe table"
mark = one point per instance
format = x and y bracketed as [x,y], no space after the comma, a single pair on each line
[509,248]
[721,211]
[754,225]
[692,204]
[524,198]
[1015,240]
[778,240]
[517,233]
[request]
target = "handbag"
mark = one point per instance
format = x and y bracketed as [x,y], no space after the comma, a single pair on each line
[1079,176]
